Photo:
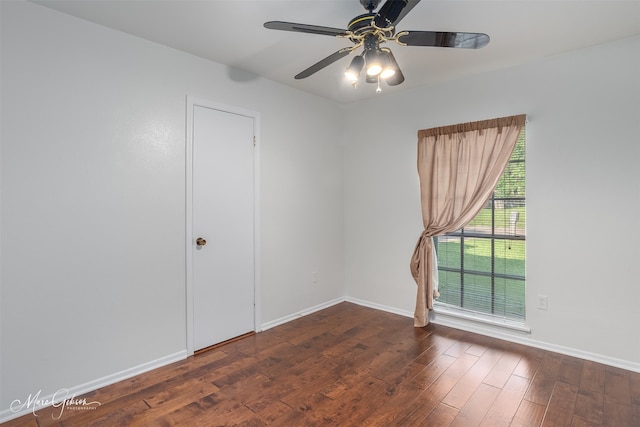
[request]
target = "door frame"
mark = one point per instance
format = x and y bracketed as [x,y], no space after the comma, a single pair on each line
[193,102]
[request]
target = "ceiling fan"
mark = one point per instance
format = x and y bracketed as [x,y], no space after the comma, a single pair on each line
[370,31]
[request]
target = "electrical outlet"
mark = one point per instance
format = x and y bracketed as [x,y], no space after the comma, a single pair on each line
[542,302]
[314,277]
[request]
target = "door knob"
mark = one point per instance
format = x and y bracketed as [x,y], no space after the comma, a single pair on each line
[200,241]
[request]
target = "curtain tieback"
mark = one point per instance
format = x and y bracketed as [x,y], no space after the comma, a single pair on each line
[418,253]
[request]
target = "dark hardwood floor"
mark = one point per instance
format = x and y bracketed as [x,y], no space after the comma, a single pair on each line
[349,365]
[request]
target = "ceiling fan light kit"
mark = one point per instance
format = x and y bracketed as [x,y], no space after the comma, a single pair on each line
[388,69]
[374,64]
[369,31]
[355,68]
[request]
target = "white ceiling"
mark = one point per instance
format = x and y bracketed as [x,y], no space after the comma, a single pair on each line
[231,32]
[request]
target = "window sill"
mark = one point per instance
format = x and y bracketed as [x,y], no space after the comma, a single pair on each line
[447,310]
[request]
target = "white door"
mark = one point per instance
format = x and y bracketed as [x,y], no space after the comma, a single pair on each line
[223,216]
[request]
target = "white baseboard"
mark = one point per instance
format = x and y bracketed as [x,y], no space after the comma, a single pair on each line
[301,313]
[381,307]
[447,320]
[81,389]
[501,333]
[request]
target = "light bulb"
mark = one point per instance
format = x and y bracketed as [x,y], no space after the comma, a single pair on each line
[374,69]
[387,72]
[351,76]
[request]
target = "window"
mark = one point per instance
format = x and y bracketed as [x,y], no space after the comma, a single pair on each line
[481,267]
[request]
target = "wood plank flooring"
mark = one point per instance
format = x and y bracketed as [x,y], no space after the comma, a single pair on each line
[349,365]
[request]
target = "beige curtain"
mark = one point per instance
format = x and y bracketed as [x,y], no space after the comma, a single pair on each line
[459,166]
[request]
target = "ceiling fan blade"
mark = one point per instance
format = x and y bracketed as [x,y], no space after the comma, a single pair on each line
[323,63]
[398,77]
[393,11]
[305,28]
[443,39]
[410,5]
